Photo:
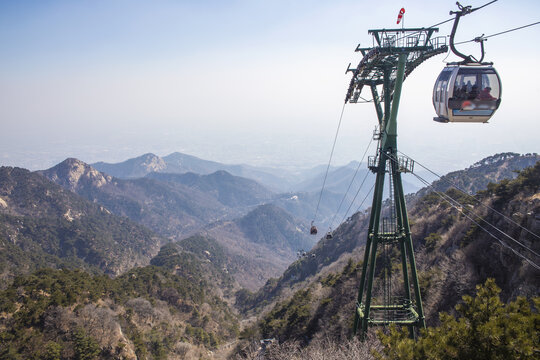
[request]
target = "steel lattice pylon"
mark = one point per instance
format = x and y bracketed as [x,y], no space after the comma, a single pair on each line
[396,54]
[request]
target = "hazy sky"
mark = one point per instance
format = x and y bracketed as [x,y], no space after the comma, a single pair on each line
[258,82]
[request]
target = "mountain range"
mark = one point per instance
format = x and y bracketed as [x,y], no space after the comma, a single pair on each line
[173,207]
[178,163]
[304,187]
[230,208]
[178,265]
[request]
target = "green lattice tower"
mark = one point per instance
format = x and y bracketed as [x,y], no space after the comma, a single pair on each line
[397,54]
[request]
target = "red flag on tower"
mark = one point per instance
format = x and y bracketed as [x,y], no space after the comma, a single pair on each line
[400,15]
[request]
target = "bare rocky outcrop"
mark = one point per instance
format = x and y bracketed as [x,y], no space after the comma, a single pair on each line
[74,175]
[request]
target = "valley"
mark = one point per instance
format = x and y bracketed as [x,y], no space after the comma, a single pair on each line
[153,264]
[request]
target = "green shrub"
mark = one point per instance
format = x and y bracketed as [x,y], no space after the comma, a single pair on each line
[431,241]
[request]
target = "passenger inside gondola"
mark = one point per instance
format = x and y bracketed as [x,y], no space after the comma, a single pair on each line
[468,87]
[473,94]
[460,93]
[485,94]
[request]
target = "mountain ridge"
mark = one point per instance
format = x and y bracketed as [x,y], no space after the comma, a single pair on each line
[490,169]
[230,209]
[178,163]
[230,190]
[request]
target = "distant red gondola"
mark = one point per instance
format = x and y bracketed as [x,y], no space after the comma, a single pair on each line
[313,230]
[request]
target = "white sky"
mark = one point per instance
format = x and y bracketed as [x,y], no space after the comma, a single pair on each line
[258,82]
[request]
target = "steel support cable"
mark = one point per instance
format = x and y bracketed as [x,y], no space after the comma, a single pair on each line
[530,262]
[495,227]
[472,197]
[329,162]
[364,100]
[478,216]
[442,195]
[500,33]
[489,3]
[365,197]
[350,184]
[355,196]
[362,203]
[369,192]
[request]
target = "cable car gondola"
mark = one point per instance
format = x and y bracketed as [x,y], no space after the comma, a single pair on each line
[467,91]
[313,229]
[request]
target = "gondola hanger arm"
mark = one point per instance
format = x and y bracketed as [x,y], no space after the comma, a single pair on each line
[464,10]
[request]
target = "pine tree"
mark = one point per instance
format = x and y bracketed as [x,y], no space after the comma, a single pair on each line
[86,348]
[486,329]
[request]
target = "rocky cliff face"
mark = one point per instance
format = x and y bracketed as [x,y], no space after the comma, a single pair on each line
[76,175]
[133,168]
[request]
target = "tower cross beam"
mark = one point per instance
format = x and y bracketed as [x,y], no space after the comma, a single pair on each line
[416,43]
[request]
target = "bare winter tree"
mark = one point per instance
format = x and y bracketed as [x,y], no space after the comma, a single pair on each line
[147,313]
[101,324]
[58,321]
[323,349]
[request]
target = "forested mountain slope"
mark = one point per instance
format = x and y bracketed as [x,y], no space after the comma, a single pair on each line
[41,224]
[262,243]
[153,312]
[229,190]
[453,255]
[172,309]
[490,169]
